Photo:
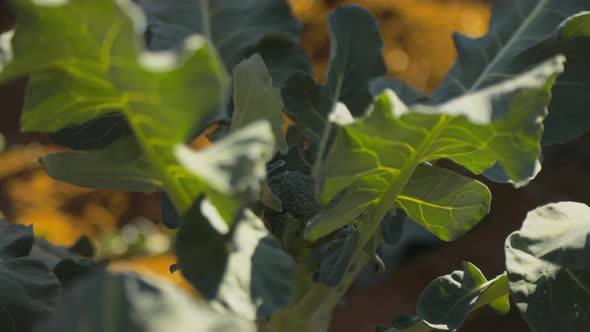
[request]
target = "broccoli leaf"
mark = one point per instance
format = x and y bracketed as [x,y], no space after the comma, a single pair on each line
[120,166]
[405,92]
[234,27]
[548,263]
[244,268]
[515,26]
[447,301]
[522,33]
[126,301]
[234,164]
[15,240]
[373,158]
[445,203]
[256,99]
[355,59]
[568,112]
[30,290]
[99,67]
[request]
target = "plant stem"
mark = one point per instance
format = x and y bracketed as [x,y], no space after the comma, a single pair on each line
[320,300]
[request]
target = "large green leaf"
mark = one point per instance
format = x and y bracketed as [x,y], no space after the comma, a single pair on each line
[29,289]
[355,59]
[374,157]
[234,27]
[569,113]
[120,165]
[447,301]
[256,99]
[127,302]
[515,27]
[99,66]
[446,203]
[244,269]
[235,164]
[548,263]
[522,33]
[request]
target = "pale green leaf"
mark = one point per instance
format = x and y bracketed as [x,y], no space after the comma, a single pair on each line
[444,202]
[373,158]
[548,264]
[99,66]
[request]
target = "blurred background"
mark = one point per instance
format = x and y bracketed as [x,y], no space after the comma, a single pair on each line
[419,50]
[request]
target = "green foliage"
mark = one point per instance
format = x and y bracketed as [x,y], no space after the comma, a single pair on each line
[356,58]
[32,276]
[107,301]
[236,29]
[548,263]
[523,33]
[447,301]
[121,166]
[243,268]
[374,157]
[256,99]
[363,145]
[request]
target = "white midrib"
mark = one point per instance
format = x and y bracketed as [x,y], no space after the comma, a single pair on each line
[521,29]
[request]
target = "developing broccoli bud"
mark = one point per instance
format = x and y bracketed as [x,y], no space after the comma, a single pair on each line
[295,190]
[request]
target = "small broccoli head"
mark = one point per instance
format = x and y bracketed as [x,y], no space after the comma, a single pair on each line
[295,190]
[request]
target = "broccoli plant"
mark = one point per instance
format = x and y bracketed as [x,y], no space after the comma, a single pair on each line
[303,181]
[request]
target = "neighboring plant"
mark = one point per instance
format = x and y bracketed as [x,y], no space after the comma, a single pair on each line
[275,226]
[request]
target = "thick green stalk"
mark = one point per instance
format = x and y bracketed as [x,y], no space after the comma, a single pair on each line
[319,301]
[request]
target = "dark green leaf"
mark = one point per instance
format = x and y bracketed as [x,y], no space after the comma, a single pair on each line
[355,59]
[406,93]
[126,302]
[255,98]
[522,33]
[83,247]
[120,166]
[568,112]
[282,59]
[29,291]
[244,269]
[15,240]
[548,263]
[374,157]
[447,301]
[515,27]
[94,134]
[232,26]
